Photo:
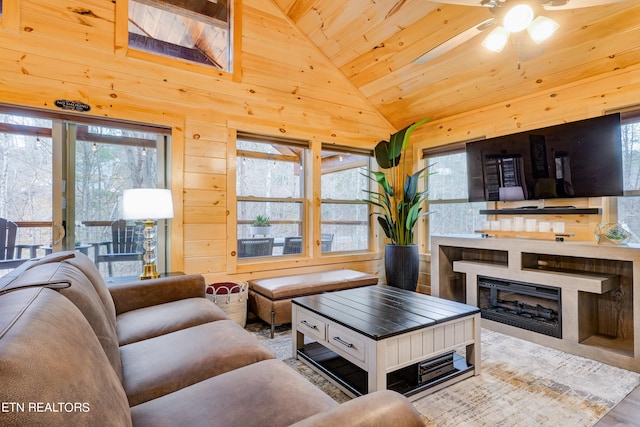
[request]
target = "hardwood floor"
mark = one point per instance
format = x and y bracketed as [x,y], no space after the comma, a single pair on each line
[626,413]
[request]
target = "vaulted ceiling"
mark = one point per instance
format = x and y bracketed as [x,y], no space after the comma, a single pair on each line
[375,42]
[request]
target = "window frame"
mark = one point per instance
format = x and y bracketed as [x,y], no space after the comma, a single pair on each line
[69,129]
[426,155]
[122,47]
[612,205]
[625,119]
[302,199]
[370,156]
[313,257]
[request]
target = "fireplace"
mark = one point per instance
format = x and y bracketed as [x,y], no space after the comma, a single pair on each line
[524,305]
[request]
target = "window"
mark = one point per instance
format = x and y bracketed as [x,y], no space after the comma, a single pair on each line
[345,217]
[83,191]
[198,32]
[629,205]
[451,213]
[270,184]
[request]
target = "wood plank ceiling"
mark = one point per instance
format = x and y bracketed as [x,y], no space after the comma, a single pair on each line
[374,43]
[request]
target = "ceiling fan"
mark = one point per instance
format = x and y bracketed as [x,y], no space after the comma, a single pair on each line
[512,16]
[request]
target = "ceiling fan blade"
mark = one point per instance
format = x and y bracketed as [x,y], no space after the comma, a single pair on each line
[575,4]
[454,42]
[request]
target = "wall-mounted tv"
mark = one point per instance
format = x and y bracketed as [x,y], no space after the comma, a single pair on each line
[577,159]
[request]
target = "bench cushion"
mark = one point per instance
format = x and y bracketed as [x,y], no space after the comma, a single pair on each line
[287,287]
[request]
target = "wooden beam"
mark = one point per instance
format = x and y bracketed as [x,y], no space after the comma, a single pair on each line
[149,44]
[215,14]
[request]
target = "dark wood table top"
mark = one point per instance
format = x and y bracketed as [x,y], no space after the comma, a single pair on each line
[380,312]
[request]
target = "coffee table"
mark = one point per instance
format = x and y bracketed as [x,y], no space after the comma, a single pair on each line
[378,337]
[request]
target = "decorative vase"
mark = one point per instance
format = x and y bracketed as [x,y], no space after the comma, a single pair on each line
[401,265]
[613,233]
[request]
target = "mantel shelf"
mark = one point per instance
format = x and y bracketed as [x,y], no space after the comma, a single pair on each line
[542,211]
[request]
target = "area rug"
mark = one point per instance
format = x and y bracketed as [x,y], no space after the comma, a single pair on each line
[521,384]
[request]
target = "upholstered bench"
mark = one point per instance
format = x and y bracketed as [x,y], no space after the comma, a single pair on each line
[270,299]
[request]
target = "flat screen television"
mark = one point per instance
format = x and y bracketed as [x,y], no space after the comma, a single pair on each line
[577,159]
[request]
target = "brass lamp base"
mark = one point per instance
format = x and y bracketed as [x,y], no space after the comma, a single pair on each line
[149,272]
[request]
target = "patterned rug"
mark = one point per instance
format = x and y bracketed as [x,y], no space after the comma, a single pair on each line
[521,384]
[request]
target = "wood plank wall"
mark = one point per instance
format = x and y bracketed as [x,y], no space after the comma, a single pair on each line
[70,50]
[285,87]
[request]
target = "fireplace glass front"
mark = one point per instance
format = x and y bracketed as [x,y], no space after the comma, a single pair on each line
[524,305]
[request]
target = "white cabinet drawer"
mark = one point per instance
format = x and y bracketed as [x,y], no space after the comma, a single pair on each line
[346,342]
[311,325]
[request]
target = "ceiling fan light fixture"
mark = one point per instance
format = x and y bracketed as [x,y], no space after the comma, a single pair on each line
[490,3]
[542,28]
[518,18]
[497,39]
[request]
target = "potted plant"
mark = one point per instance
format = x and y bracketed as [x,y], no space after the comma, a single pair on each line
[399,207]
[261,226]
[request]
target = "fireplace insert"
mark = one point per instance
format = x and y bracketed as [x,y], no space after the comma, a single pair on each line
[528,306]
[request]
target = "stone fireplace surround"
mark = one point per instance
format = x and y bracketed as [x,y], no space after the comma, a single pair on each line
[600,310]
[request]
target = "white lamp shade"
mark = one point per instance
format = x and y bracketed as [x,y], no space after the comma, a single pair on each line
[147,203]
[542,28]
[497,39]
[518,18]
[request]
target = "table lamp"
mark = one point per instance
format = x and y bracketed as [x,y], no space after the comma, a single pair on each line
[149,205]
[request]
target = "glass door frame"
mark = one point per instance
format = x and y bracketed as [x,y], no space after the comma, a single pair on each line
[63,196]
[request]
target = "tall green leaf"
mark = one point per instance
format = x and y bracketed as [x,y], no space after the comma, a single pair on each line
[398,213]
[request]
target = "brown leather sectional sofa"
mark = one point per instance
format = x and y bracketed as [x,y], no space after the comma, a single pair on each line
[155,352]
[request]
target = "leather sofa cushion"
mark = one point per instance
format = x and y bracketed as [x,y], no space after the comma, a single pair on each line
[146,293]
[149,322]
[164,364]
[311,283]
[83,295]
[229,399]
[49,354]
[380,408]
[88,268]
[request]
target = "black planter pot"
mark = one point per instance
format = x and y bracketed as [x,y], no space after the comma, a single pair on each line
[401,265]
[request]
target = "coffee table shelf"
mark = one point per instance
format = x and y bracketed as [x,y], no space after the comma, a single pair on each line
[354,379]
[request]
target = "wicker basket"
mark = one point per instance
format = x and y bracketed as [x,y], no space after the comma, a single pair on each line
[231,297]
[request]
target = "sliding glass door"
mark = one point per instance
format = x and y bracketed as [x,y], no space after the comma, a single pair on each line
[62,182]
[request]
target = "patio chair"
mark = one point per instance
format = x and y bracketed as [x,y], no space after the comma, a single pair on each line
[124,246]
[255,247]
[327,242]
[292,245]
[8,233]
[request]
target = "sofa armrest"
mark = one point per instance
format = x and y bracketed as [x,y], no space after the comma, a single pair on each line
[382,408]
[146,293]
